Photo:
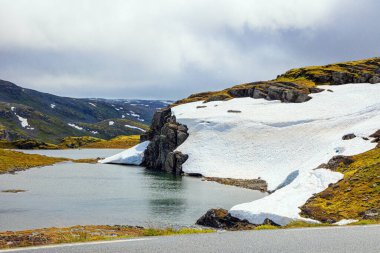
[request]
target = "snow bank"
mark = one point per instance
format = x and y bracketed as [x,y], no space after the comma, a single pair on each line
[75,126]
[23,121]
[131,156]
[279,142]
[135,127]
[344,222]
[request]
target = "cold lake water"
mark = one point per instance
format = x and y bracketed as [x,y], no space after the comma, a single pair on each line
[68,194]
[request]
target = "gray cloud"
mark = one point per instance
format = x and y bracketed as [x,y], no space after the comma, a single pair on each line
[170,49]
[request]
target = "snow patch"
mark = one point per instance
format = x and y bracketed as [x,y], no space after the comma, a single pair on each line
[131,156]
[52,106]
[111,123]
[75,126]
[94,105]
[135,127]
[344,222]
[272,140]
[24,121]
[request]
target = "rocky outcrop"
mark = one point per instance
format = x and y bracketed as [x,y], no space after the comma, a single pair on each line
[221,219]
[165,135]
[336,161]
[283,91]
[376,137]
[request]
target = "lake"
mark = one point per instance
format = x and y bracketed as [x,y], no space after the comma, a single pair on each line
[68,194]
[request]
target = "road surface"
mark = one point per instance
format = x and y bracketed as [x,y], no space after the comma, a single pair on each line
[324,240]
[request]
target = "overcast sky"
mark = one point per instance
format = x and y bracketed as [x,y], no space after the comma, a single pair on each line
[168,49]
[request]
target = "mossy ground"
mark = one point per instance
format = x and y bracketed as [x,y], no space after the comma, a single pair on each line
[74,234]
[350,198]
[119,142]
[11,161]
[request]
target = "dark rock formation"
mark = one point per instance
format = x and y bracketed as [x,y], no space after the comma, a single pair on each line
[336,161]
[221,219]
[165,135]
[376,136]
[283,91]
[348,137]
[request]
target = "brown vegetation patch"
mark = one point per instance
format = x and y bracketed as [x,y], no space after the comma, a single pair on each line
[252,184]
[45,236]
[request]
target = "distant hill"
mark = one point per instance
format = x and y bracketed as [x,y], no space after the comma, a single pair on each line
[26,113]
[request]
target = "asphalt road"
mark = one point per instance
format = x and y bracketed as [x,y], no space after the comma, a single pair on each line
[324,240]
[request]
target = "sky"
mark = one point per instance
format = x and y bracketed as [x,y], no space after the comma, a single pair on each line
[169,49]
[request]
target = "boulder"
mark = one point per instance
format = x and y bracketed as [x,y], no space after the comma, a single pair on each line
[374,79]
[348,137]
[221,219]
[336,161]
[371,214]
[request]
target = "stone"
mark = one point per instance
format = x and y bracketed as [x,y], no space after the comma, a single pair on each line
[335,162]
[221,219]
[234,111]
[348,137]
[374,79]
[371,214]
[315,90]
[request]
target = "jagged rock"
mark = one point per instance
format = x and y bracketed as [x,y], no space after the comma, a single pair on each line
[165,135]
[348,137]
[221,219]
[173,162]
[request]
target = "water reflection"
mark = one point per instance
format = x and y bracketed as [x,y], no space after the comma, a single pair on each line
[69,194]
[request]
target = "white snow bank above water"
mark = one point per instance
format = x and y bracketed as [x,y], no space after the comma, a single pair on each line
[131,156]
[279,142]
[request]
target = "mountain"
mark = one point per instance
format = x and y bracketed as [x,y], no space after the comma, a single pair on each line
[311,136]
[26,113]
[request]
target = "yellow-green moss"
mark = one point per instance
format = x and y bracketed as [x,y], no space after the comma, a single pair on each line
[121,142]
[15,161]
[356,193]
[74,234]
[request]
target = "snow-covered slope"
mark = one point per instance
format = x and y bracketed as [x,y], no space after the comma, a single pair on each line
[281,143]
